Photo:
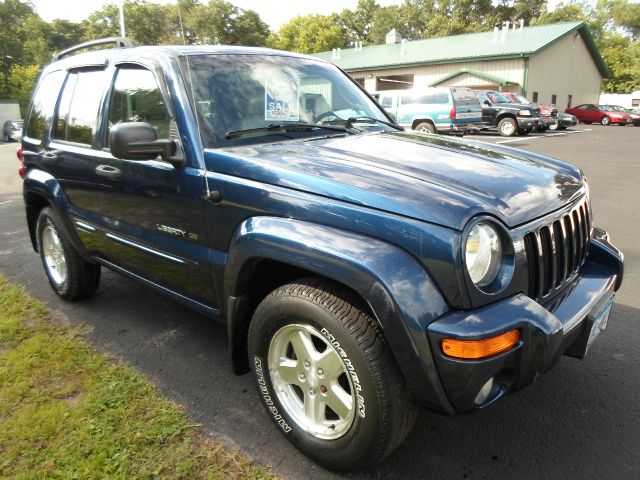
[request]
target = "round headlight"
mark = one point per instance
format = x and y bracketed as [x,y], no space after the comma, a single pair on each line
[483,254]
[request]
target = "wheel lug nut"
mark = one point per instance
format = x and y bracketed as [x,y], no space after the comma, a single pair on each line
[320,371]
[307,364]
[312,391]
[302,377]
[323,389]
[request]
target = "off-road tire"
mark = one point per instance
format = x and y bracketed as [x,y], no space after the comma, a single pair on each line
[82,277]
[387,412]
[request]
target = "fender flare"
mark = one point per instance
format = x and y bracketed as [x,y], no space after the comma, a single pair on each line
[43,184]
[396,287]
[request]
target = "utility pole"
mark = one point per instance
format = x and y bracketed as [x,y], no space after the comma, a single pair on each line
[121,8]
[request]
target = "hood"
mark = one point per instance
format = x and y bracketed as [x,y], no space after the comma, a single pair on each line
[428,177]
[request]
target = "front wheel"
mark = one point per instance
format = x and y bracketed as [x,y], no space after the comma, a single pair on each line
[554,127]
[326,377]
[70,276]
[605,120]
[507,127]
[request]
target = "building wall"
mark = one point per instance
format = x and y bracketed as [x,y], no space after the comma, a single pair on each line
[563,69]
[509,69]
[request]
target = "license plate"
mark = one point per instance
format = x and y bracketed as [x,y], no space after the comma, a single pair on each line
[600,322]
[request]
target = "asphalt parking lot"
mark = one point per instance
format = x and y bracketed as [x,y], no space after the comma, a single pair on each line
[582,420]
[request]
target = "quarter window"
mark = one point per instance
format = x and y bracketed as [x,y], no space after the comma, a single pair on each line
[137,98]
[77,115]
[44,102]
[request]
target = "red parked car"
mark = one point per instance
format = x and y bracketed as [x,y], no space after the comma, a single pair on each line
[604,114]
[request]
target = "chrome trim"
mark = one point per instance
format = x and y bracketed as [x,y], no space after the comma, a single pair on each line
[146,249]
[85,226]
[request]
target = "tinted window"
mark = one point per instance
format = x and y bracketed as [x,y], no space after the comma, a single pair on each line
[464,96]
[79,106]
[44,101]
[137,98]
[438,98]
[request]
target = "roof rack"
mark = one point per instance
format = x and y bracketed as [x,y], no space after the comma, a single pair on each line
[118,42]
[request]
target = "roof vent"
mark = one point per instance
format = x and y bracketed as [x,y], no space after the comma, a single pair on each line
[393,37]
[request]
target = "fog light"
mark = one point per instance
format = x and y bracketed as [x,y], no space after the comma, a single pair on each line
[484,392]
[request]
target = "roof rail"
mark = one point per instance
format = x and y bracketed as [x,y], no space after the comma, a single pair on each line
[118,42]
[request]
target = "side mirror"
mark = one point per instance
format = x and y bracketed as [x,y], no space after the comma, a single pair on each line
[487,103]
[139,141]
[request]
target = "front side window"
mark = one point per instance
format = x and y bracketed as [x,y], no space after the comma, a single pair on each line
[136,97]
[44,101]
[77,116]
[234,93]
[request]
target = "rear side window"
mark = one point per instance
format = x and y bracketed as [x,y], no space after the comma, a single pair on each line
[43,104]
[137,98]
[439,98]
[78,109]
[386,102]
[464,96]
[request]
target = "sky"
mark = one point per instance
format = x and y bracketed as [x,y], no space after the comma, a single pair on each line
[273,12]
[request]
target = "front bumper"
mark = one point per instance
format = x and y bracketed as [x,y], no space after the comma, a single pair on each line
[528,123]
[547,332]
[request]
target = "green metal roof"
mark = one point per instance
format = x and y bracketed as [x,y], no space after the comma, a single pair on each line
[468,47]
[476,73]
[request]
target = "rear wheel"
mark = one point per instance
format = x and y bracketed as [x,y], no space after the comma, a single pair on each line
[425,127]
[326,377]
[605,120]
[507,127]
[554,127]
[70,276]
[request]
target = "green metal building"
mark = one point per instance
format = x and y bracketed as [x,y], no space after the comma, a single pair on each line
[556,63]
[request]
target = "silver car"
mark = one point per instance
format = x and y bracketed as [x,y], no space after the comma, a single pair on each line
[12,131]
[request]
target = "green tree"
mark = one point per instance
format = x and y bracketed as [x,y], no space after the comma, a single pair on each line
[622,55]
[146,23]
[21,81]
[626,15]
[311,33]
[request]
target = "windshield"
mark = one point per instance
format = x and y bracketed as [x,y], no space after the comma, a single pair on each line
[235,93]
[521,99]
[606,108]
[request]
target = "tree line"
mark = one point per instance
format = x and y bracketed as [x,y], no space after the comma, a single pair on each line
[27,41]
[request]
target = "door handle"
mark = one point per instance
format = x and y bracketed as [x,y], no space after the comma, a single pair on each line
[108,171]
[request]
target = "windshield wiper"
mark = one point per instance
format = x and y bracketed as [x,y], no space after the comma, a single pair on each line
[349,122]
[287,127]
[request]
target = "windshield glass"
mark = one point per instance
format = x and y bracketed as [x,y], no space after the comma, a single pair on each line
[521,99]
[234,93]
[606,108]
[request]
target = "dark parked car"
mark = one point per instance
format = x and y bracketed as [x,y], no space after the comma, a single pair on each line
[12,130]
[564,120]
[509,118]
[548,111]
[360,269]
[590,113]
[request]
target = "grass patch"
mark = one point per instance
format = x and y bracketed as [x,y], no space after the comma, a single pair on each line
[68,412]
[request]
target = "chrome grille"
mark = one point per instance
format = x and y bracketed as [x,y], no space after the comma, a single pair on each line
[556,250]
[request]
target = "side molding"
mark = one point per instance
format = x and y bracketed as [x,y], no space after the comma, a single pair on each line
[396,287]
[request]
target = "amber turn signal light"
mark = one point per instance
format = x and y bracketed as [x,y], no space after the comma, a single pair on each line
[486,347]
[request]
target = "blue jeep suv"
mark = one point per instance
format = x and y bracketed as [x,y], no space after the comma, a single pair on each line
[361,270]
